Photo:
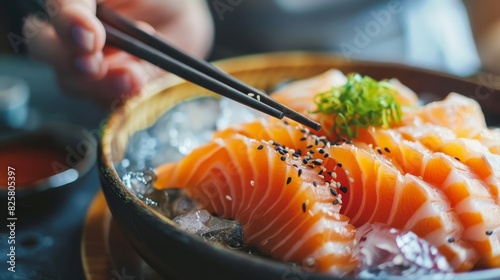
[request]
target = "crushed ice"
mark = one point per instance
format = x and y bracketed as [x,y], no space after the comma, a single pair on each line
[385,252]
[177,132]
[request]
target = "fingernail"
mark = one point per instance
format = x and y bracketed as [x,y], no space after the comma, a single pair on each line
[121,84]
[83,38]
[87,65]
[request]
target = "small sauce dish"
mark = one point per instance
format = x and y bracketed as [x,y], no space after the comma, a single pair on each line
[52,156]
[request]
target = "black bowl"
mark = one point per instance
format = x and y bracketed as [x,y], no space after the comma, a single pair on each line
[176,254]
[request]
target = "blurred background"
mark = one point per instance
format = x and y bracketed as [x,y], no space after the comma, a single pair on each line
[439,35]
[425,33]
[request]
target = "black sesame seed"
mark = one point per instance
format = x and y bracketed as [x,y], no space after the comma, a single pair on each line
[304,161]
[303,138]
[281,151]
[304,207]
[299,152]
[311,152]
[310,166]
[300,172]
[387,150]
[379,151]
[343,189]
[451,239]
[321,151]
[295,155]
[286,122]
[260,147]
[457,158]
[333,191]
[489,232]
[335,202]
[316,162]
[288,180]
[283,158]
[326,155]
[309,146]
[339,165]
[316,141]
[320,172]
[329,173]
[315,184]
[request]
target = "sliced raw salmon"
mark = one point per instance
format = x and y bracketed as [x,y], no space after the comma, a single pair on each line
[471,198]
[300,95]
[490,138]
[461,114]
[471,152]
[379,193]
[300,196]
[285,208]
[371,189]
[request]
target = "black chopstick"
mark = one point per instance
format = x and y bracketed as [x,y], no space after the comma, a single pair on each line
[118,28]
[143,51]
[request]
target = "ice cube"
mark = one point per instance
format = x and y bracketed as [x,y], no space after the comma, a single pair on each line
[182,204]
[385,251]
[200,222]
[141,184]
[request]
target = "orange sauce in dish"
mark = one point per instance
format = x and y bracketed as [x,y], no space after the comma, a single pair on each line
[31,162]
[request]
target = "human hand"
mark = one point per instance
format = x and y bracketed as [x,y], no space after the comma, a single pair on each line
[72,42]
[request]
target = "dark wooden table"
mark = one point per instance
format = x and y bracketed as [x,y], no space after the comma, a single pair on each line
[49,225]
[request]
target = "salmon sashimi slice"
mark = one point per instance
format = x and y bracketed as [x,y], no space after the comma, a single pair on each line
[300,96]
[471,198]
[381,194]
[290,133]
[298,141]
[491,139]
[459,113]
[430,135]
[285,208]
[371,190]
[478,158]
[471,152]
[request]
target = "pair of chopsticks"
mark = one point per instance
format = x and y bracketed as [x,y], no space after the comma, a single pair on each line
[124,35]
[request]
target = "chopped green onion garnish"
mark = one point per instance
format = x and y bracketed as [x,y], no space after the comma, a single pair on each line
[360,103]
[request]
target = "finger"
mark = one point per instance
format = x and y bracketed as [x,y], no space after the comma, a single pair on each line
[152,11]
[46,46]
[141,71]
[78,27]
